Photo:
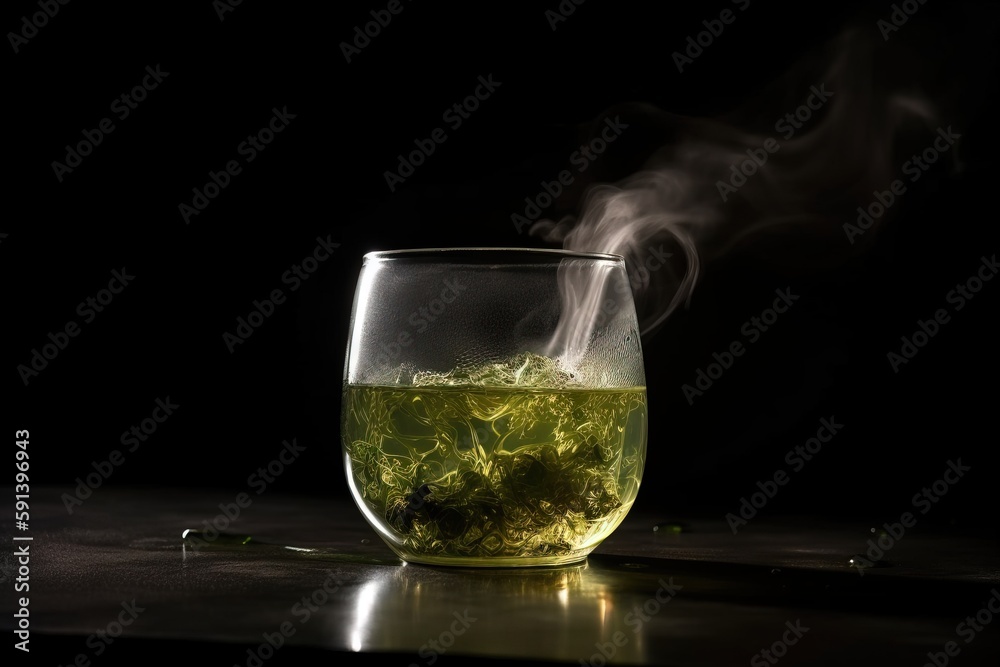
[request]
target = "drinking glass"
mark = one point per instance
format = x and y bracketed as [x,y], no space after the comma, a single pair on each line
[494,403]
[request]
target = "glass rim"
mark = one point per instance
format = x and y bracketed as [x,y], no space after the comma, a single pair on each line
[487,254]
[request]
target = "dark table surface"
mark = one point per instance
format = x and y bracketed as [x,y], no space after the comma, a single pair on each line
[688,593]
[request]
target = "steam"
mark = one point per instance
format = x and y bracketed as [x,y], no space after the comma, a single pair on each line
[792,209]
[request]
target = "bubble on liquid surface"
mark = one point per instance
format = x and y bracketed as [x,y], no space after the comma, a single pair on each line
[523,370]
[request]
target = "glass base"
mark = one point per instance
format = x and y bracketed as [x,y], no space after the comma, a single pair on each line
[570,558]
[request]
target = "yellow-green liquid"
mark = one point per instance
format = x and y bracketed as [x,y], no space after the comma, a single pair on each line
[494,476]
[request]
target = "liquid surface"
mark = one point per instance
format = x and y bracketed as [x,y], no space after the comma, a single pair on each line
[508,472]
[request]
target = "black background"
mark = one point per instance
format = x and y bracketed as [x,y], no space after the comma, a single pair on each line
[323,176]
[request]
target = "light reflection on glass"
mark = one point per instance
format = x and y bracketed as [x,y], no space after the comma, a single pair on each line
[559,611]
[363,612]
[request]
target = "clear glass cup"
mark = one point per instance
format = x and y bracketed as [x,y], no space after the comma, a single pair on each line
[494,404]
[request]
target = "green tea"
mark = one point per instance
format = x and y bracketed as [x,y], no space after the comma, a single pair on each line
[492,472]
